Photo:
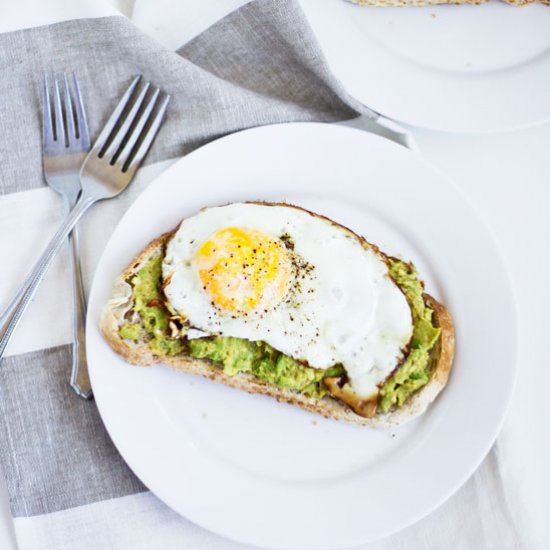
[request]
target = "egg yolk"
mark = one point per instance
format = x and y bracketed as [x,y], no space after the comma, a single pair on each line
[243,269]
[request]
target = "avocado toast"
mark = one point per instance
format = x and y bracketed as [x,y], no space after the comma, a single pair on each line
[141,325]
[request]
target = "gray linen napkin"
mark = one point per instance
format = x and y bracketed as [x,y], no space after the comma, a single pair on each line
[260,65]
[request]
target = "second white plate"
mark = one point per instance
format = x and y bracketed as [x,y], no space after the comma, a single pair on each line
[453,68]
[269,474]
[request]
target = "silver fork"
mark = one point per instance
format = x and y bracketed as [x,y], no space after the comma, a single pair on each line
[64,149]
[108,169]
[65,143]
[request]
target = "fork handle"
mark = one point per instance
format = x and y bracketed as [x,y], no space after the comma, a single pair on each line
[80,379]
[11,320]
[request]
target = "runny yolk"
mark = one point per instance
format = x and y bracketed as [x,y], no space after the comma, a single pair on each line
[243,269]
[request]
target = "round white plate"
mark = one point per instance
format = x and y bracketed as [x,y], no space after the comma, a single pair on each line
[270,474]
[454,68]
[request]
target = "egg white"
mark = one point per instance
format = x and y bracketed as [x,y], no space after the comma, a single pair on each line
[348,310]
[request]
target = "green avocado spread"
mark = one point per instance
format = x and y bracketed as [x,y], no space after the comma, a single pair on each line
[414,372]
[236,355]
[149,304]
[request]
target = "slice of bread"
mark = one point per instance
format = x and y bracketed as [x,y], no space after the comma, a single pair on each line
[113,317]
[419,3]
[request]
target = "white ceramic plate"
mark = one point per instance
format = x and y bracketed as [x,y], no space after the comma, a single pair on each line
[453,68]
[270,474]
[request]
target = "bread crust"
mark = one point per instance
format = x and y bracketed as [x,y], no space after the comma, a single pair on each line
[420,3]
[139,354]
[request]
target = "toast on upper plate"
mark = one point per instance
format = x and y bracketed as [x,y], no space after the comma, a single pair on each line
[419,3]
[119,312]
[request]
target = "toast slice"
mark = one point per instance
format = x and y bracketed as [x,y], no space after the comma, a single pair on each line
[116,311]
[420,3]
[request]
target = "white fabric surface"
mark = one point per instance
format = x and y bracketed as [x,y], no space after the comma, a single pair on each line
[507,178]
[34,13]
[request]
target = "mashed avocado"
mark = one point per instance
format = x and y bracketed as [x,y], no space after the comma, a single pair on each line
[238,355]
[148,302]
[414,372]
[259,358]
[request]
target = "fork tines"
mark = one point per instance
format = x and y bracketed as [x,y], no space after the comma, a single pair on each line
[64,122]
[132,127]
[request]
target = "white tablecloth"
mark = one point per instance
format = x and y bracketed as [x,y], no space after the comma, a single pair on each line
[507,178]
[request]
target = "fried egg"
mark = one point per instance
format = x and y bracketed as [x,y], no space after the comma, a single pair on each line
[279,274]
